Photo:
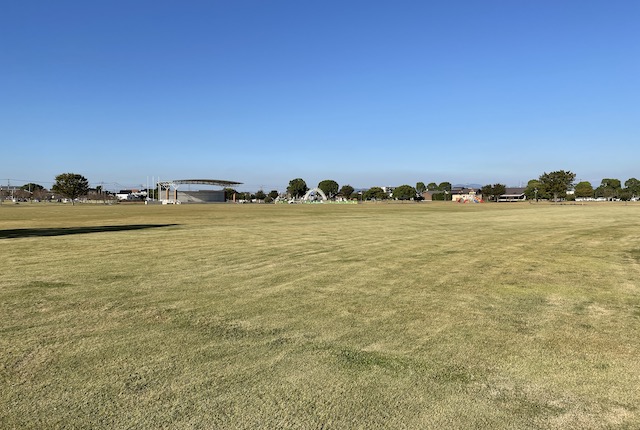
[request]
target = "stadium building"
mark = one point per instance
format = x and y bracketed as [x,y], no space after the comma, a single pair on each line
[169,192]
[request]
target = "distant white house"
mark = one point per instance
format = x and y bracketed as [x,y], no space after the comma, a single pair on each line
[513,195]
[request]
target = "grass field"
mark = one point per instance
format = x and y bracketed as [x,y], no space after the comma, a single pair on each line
[502,316]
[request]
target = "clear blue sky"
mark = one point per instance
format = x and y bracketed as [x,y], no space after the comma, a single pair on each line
[362,92]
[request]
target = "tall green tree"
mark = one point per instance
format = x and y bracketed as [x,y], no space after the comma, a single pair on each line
[613,186]
[404,192]
[493,192]
[432,186]
[71,185]
[421,187]
[584,189]
[260,195]
[444,186]
[498,190]
[557,183]
[610,188]
[346,191]
[633,186]
[297,188]
[612,183]
[535,190]
[274,194]
[375,193]
[487,192]
[625,195]
[329,187]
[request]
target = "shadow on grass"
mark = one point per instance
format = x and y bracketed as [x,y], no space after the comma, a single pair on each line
[63,231]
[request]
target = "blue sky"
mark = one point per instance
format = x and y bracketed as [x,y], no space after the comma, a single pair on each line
[362,92]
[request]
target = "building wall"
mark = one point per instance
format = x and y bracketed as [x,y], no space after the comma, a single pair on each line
[203,196]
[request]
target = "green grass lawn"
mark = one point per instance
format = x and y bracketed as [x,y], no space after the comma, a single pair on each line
[512,316]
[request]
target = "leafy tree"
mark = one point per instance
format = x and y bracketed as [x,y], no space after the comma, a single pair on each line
[274,194]
[493,192]
[445,186]
[404,192]
[610,187]
[243,195]
[487,192]
[584,189]
[535,190]
[71,185]
[346,191]
[625,195]
[329,187]
[30,190]
[611,183]
[421,187]
[557,183]
[31,187]
[297,187]
[498,190]
[633,186]
[375,193]
[432,186]
[260,195]
[599,192]
[229,193]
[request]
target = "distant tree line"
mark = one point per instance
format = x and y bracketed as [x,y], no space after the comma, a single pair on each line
[554,186]
[560,185]
[298,188]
